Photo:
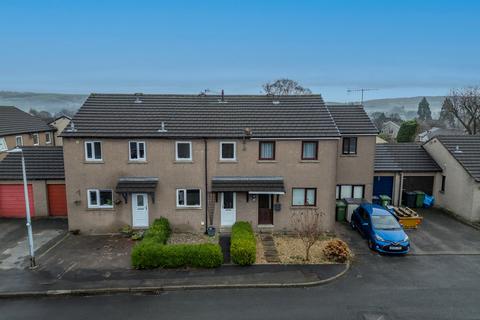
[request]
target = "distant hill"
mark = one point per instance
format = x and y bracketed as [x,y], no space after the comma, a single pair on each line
[51,102]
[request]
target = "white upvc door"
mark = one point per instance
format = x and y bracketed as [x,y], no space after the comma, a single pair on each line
[228,208]
[139,210]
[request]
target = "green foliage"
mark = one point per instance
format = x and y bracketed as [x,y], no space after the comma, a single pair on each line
[446,114]
[424,113]
[407,131]
[243,246]
[150,254]
[159,231]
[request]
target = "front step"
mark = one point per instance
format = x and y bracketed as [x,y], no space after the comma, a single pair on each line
[265,228]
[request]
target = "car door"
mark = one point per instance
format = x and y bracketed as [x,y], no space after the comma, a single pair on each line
[364,222]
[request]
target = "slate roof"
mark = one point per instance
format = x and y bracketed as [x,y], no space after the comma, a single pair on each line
[468,153]
[202,116]
[41,163]
[352,119]
[15,121]
[406,157]
[248,183]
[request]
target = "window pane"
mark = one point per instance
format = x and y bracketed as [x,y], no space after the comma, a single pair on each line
[228,151]
[309,150]
[93,197]
[346,145]
[106,198]
[358,192]
[345,192]
[35,139]
[353,145]
[89,150]
[19,141]
[193,197]
[98,150]
[310,197]
[141,150]
[181,197]
[3,144]
[183,151]
[140,202]
[47,137]
[133,150]
[337,192]
[228,200]
[266,150]
[298,197]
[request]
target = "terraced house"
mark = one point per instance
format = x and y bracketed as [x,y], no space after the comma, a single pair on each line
[204,160]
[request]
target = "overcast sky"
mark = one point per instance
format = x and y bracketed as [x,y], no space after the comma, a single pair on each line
[402,48]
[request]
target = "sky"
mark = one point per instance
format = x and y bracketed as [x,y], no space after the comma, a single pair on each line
[401,48]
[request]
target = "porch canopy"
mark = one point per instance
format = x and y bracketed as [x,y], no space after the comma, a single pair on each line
[126,185]
[250,184]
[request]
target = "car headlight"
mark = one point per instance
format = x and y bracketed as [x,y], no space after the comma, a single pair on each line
[379,238]
[406,238]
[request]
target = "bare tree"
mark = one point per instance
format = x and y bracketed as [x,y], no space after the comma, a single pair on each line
[307,226]
[285,87]
[465,107]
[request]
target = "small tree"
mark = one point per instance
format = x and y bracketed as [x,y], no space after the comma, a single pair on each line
[307,226]
[446,116]
[285,87]
[465,107]
[407,131]
[424,113]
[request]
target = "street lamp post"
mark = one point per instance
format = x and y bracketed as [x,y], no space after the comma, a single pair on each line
[27,207]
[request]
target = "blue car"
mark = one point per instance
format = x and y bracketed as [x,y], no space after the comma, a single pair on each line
[382,231]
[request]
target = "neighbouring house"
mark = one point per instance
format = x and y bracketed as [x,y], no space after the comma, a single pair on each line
[435,131]
[405,167]
[390,129]
[22,129]
[380,140]
[205,160]
[459,157]
[45,178]
[60,123]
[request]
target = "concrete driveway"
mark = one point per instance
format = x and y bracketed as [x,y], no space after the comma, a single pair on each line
[14,252]
[439,234]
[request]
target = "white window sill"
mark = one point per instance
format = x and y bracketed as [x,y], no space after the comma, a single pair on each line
[303,207]
[94,161]
[189,208]
[227,161]
[183,161]
[101,209]
[309,161]
[267,161]
[137,161]
[353,155]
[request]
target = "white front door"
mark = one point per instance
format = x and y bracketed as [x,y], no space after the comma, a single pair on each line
[139,210]
[228,208]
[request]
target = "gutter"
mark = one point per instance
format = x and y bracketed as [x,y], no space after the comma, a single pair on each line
[205,149]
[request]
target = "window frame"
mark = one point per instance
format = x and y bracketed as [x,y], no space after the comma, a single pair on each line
[442,186]
[3,142]
[48,137]
[35,135]
[260,150]
[176,151]
[21,141]
[185,205]
[338,195]
[303,149]
[137,142]
[97,193]
[305,192]
[234,150]
[93,159]
[349,151]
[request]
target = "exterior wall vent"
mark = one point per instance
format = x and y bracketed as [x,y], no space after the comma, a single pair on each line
[71,127]
[457,150]
[138,100]
[162,129]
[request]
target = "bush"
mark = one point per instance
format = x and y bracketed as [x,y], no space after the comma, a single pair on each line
[337,250]
[159,231]
[407,131]
[243,246]
[150,254]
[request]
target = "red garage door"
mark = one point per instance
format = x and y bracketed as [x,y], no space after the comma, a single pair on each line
[57,199]
[12,201]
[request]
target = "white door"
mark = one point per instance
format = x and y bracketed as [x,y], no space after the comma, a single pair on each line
[139,210]
[228,208]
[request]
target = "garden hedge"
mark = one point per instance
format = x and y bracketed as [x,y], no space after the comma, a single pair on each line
[243,245]
[159,231]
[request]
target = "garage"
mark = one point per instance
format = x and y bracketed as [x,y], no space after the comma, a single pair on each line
[57,199]
[404,167]
[12,201]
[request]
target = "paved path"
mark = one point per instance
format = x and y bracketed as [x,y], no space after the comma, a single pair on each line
[269,248]
[224,242]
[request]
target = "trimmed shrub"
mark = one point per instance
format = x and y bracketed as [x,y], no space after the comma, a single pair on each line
[243,246]
[150,254]
[407,131]
[159,231]
[337,250]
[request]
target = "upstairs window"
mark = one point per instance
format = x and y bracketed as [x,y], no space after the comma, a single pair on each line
[228,151]
[19,141]
[3,145]
[309,150]
[137,151]
[188,198]
[36,141]
[48,138]
[100,198]
[267,150]
[183,150]
[350,145]
[93,151]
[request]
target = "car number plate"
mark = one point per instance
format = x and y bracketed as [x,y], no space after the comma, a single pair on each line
[395,248]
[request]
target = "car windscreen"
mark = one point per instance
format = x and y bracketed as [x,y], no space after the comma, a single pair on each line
[385,222]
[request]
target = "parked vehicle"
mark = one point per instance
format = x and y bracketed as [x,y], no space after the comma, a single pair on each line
[382,231]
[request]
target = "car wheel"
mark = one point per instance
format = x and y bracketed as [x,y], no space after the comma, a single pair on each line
[352,225]
[370,244]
